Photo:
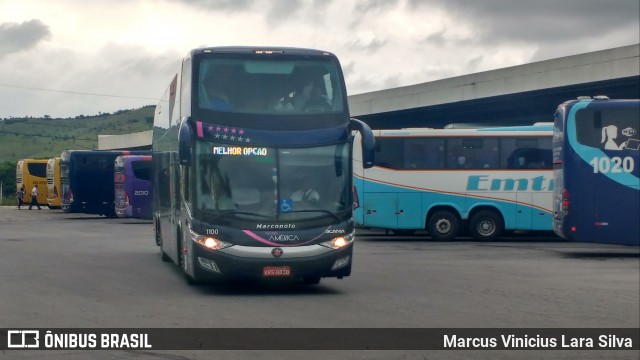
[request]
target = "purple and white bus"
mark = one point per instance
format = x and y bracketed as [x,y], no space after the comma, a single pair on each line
[133,190]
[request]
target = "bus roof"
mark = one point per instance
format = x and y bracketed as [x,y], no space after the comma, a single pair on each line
[602,101]
[539,130]
[260,50]
[135,157]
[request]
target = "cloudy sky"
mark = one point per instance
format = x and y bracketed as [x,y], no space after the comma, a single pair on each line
[65,58]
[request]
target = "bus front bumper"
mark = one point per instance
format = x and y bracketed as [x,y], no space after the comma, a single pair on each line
[269,263]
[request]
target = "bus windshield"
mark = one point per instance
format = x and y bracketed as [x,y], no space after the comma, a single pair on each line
[271,184]
[233,83]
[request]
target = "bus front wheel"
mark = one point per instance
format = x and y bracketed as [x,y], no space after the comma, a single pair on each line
[486,225]
[443,225]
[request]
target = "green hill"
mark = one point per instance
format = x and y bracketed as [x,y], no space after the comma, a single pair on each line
[28,138]
[43,138]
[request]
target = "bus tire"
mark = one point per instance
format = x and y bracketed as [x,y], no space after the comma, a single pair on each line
[163,256]
[158,238]
[157,232]
[486,225]
[443,225]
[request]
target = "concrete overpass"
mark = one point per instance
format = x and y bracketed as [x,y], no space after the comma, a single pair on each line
[515,95]
[521,94]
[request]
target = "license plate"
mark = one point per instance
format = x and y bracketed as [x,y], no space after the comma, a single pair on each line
[269,271]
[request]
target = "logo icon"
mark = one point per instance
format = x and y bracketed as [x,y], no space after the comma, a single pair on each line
[21,339]
[277,252]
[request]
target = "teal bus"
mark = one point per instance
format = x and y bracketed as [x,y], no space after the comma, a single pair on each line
[451,181]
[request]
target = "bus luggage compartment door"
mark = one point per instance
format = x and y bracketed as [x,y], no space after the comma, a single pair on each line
[393,210]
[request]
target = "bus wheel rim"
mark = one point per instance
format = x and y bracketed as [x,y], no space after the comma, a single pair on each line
[443,226]
[486,227]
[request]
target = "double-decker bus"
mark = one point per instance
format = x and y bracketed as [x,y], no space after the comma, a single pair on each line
[53,182]
[30,172]
[240,136]
[86,178]
[132,179]
[596,167]
[445,181]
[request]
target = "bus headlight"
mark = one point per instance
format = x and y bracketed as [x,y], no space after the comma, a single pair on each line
[340,241]
[208,242]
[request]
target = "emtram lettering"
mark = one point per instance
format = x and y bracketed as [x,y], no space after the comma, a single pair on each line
[487,183]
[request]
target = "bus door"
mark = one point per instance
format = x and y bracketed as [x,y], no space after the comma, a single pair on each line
[379,209]
[174,191]
[541,219]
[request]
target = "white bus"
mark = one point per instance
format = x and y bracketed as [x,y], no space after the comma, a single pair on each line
[448,180]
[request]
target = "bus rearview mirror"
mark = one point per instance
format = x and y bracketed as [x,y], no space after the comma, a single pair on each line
[368,142]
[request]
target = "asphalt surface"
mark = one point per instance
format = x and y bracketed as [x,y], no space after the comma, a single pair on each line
[63,270]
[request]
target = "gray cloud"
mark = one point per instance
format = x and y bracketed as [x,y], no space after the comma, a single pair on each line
[369,48]
[474,63]
[221,5]
[539,21]
[282,10]
[275,12]
[436,39]
[373,5]
[16,37]
[392,81]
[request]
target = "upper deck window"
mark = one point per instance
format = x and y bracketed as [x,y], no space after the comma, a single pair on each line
[269,85]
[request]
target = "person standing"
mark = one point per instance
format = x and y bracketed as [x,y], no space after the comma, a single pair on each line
[20,197]
[34,197]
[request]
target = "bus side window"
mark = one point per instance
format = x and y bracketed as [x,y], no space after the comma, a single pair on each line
[389,152]
[487,155]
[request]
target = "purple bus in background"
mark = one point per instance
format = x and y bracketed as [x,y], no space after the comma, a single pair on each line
[133,190]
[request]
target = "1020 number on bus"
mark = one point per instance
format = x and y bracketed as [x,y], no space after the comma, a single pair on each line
[612,165]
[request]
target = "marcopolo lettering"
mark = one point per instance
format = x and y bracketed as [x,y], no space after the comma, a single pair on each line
[275,226]
[488,183]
